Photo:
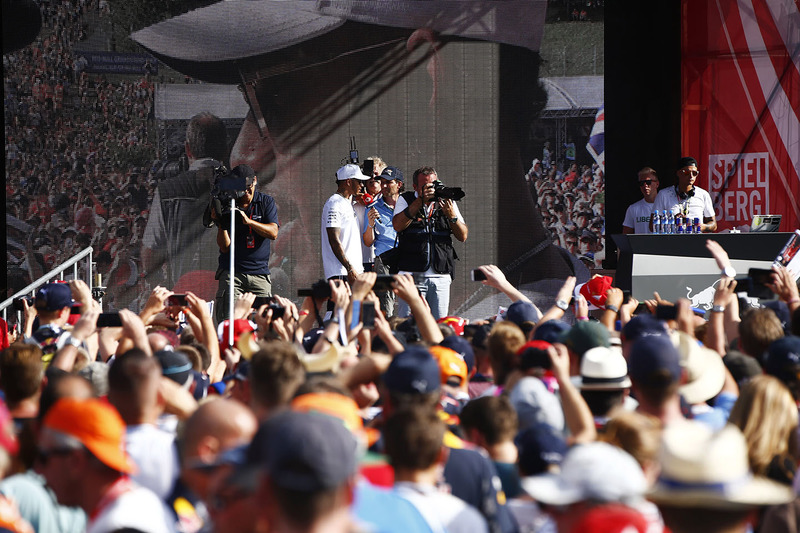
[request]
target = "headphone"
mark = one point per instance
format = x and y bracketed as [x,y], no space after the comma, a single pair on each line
[684,195]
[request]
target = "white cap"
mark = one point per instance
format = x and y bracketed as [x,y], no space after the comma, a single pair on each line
[350,171]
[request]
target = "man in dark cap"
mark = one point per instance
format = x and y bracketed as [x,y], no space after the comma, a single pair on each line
[256,225]
[686,199]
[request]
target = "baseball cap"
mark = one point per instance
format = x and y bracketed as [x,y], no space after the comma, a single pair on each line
[392,173]
[175,366]
[783,359]
[595,289]
[596,471]
[481,336]
[455,322]
[522,311]
[645,325]
[53,296]
[603,369]
[612,518]
[350,171]
[413,371]
[550,331]
[244,171]
[240,327]
[452,367]
[304,451]
[463,348]
[338,406]
[533,354]
[585,335]
[686,162]
[535,404]
[649,356]
[539,446]
[97,425]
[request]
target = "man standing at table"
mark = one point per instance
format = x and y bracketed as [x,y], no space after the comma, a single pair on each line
[637,217]
[686,199]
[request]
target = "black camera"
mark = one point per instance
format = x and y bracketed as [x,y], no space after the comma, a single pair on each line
[319,290]
[450,193]
[17,303]
[227,186]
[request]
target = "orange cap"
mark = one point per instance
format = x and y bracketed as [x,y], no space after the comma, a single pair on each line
[338,406]
[97,425]
[451,364]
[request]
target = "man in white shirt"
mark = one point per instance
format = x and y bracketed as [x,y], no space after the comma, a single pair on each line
[686,199]
[637,217]
[341,235]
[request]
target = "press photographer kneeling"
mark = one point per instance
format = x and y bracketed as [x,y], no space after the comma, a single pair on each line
[256,225]
[426,219]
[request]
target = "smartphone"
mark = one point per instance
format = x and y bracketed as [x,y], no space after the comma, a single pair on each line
[666,312]
[626,296]
[368,314]
[759,278]
[109,320]
[383,282]
[477,275]
[277,311]
[368,167]
[177,300]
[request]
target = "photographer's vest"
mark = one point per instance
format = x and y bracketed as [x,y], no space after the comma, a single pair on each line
[426,242]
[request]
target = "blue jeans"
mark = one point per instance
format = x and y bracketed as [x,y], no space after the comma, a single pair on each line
[436,290]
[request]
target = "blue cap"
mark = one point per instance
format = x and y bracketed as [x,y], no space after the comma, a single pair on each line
[550,331]
[461,346]
[53,296]
[782,359]
[175,366]
[413,371]
[650,357]
[522,311]
[539,447]
[392,173]
[643,326]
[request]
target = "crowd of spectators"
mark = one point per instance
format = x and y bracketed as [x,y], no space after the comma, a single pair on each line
[78,151]
[532,420]
[571,200]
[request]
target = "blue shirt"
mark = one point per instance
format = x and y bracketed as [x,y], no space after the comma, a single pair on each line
[253,260]
[385,234]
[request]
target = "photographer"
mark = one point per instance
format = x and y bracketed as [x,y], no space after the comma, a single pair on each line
[256,225]
[425,219]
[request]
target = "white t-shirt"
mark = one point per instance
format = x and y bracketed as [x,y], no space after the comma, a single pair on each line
[154,452]
[443,512]
[401,205]
[638,216]
[698,206]
[135,507]
[338,212]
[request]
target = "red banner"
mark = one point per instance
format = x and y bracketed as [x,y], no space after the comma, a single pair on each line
[741,105]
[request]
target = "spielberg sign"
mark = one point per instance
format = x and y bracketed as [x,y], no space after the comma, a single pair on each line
[739,186]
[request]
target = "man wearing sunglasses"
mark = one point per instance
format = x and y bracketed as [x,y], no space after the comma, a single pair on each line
[686,199]
[637,217]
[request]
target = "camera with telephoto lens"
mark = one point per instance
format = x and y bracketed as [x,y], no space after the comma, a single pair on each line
[227,186]
[450,193]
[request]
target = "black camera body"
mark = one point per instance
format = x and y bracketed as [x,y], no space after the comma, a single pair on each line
[226,187]
[450,193]
[17,303]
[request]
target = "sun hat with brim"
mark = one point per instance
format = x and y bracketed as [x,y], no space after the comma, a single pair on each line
[322,362]
[97,425]
[703,367]
[700,468]
[603,369]
[596,471]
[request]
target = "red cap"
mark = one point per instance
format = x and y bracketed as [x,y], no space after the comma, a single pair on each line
[595,290]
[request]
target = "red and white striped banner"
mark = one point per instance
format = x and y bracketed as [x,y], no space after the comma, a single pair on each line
[741,105]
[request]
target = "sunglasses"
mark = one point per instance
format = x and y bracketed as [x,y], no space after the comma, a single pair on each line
[645,182]
[690,172]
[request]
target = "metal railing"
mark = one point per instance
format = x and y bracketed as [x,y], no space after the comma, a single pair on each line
[56,273]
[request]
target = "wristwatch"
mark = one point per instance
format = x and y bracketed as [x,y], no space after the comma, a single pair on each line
[728,272]
[454,220]
[718,309]
[561,304]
